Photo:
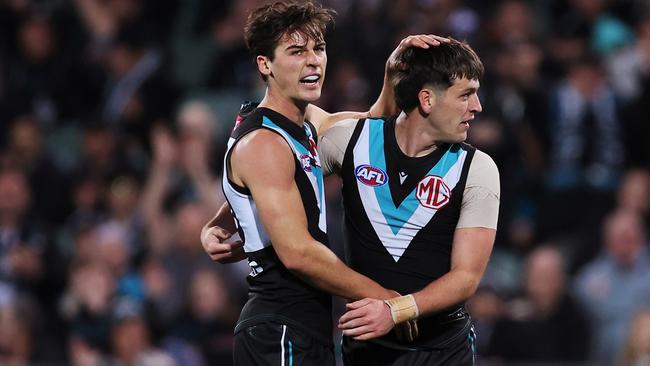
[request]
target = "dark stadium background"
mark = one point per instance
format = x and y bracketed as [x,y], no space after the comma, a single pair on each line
[113,120]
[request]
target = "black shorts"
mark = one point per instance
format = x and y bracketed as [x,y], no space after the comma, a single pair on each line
[279,345]
[460,352]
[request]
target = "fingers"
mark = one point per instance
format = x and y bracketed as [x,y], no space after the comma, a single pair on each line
[353,323]
[221,234]
[219,251]
[224,249]
[351,315]
[357,332]
[440,39]
[423,41]
[358,304]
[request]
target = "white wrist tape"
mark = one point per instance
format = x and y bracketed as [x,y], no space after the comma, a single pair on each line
[403,308]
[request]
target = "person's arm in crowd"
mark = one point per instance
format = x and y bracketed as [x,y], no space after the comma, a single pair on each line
[195,163]
[158,225]
[385,104]
[263,162]
[97,18]
[471,248]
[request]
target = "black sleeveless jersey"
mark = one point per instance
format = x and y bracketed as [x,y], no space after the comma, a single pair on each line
[401,212]
[275,294]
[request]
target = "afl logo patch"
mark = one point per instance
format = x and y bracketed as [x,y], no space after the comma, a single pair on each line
[370,176]
[432,192]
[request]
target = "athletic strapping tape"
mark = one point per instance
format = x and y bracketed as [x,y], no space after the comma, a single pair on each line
[403,308]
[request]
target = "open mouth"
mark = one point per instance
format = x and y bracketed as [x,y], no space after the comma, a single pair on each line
[310,80]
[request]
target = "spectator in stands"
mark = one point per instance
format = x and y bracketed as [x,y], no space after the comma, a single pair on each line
[616,285]
[545,325]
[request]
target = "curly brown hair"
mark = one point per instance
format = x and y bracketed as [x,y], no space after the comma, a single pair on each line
[267,24]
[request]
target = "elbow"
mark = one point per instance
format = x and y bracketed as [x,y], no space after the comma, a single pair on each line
[473,286]
[295,261]
[470,285]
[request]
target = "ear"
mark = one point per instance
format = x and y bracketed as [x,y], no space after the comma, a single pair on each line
[263,65]
[427,99]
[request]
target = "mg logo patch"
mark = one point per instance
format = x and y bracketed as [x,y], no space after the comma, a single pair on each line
[370,176]
[432,192]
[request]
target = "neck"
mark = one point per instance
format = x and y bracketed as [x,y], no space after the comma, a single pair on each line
[295,112]
[414,136]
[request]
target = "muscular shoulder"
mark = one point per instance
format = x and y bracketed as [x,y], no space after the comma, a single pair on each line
[483,172]
[261,140]
[261,152]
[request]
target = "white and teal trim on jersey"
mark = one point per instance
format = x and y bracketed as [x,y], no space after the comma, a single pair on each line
[314,173]
[255,236]
[397,226]
[247,216]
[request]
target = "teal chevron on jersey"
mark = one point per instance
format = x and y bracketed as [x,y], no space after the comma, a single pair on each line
[397,216]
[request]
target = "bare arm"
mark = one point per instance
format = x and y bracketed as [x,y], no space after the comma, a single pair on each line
[263,162]
[469,257]
[157,186]
[97,18]
[385,104]
[194,159]
[215,233]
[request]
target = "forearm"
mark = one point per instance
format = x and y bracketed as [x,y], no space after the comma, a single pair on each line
[451,289]
[100,23]
[385,104]
[154,192]
[321,268]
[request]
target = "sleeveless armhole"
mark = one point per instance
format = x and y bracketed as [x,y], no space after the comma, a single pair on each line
[244,190]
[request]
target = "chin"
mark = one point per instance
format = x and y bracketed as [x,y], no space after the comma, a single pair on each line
[459,139]
[311,96]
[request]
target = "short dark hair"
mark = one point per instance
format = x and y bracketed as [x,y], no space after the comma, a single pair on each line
[267,24]
[437,66]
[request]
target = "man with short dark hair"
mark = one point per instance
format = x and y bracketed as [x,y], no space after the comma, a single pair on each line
[421,209]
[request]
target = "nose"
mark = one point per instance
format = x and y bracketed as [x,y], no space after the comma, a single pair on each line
[313,59]
[475,104]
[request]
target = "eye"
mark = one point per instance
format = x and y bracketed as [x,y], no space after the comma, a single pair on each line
[297,52]
[319,48]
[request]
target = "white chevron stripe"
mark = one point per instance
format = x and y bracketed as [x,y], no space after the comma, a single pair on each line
[396,244]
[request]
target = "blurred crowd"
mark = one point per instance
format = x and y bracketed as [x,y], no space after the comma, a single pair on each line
[113,121]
